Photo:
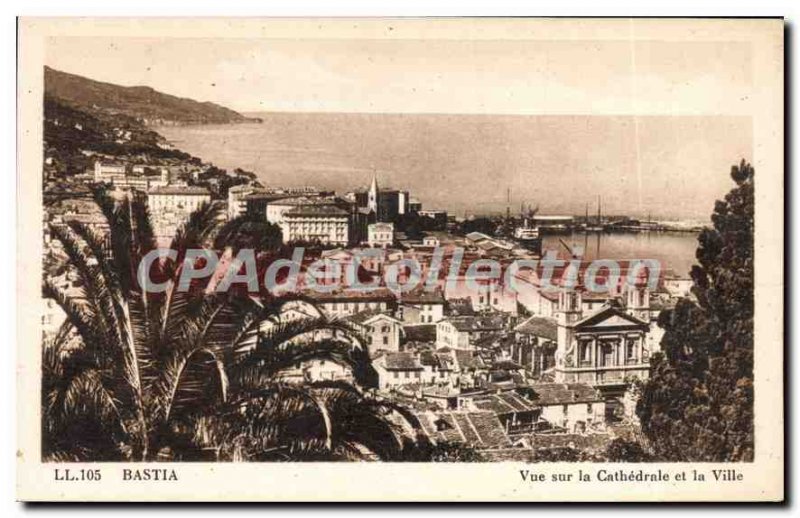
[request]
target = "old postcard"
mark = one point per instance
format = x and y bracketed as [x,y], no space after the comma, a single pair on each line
[400,260]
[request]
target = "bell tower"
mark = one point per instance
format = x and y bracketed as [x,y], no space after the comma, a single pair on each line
[568,312]
[637,300]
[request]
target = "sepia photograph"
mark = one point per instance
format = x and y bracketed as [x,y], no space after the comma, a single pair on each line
[539,245]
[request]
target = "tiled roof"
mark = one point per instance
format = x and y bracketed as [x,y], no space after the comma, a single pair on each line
[420,332]
[504,403]
[466,360]
[481,430]
[476,323]
[539,326]
[420,296]
[439,360]
[563,393]
[402,361]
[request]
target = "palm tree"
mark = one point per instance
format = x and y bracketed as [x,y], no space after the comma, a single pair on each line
[157,375]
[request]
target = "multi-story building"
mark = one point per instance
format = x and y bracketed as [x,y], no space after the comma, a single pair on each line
[128,176]
[380,235]
[463,332]
[422,307]
[324,224]
[396,369]
[171,206]
[237,199]
[381,330]
[606,348]
[345,303]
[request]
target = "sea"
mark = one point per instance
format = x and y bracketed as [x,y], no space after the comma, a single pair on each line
[481,165]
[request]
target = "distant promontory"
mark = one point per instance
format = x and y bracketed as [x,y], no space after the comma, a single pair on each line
[140,102]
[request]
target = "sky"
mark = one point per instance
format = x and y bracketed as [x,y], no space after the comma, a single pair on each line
[637,122]
[425,76]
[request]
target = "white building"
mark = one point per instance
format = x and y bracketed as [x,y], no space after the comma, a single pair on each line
[170,207]
[237,203]
[576,407]
[396,369]
[325,224]
[463,332]
[380,235]
[381,330]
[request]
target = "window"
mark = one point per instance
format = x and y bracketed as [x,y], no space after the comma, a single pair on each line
[589,408]
[385,340]
[406,374]
[630,349]
[565,409]
[586,352]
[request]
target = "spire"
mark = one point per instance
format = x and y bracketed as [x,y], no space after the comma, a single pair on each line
[373,188]
[372,196]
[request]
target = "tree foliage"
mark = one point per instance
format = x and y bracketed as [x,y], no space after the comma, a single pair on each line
[698,403]
[181,375]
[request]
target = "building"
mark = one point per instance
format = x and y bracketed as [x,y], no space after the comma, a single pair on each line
[380,235]
[323,224]
[126,176]
[237,199]
[575,407]
[481,430]
[463,332]
[384,204]
[516,413]
[536,343]
[439,218]
[170,207]
[396,369]
[345,303]
[383,332]
[422,307]
[606,348]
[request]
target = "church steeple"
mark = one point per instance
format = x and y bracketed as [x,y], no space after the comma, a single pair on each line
[372,196]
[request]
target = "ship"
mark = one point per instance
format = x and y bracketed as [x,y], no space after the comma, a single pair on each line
[528,235]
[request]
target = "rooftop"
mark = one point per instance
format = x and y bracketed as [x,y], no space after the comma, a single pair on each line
[562,393]
[402,361]
[504,403]
[539,326]
[184,191]
[315,210]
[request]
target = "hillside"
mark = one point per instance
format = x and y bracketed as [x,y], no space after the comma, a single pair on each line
[139,102]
